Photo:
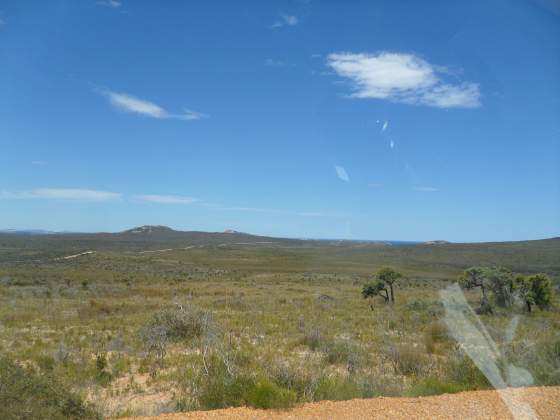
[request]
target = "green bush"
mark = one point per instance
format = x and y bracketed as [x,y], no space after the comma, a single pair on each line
[408,361]
[219,387]
[542,360]
[268,395]
[342,352]
[184,322]
[313,339]
[460,369]
[336,388]
[436,332]
[300,379]
[25,394]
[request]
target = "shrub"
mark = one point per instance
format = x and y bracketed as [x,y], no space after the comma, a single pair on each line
[460,369]
[408,361]
[542,360]
[219,384]
[184,322]
[222,391]
[301,379]
[268,395]
[341,351]
[336,388]
[46,363]
[25,394]
[436,332]
[313,339]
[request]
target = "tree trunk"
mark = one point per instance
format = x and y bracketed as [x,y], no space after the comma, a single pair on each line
[392,292]
[528,306]
[386,296]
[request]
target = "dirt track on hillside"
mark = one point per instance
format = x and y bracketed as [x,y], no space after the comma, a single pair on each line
[545,402]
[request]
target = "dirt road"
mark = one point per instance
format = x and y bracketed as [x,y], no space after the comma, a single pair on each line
[545,402]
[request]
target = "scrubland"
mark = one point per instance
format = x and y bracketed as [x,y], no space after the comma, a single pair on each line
[117,333]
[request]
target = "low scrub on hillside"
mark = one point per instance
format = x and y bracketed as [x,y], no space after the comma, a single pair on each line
[27,394]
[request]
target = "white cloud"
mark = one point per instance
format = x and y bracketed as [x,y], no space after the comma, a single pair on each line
[166,199]
[191,115]
[111,3]
[285,20]
[341,173]
[425,189]
[392,144]
[129,103]
[62,194]
[403,78]
[385,125]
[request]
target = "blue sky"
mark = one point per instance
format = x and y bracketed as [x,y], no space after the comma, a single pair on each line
[360,120]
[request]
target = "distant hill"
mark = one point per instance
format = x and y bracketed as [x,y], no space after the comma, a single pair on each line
[436,256]
[149,229]
[437,242]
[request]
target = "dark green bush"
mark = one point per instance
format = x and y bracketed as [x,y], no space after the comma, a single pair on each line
[25,394]
[336,388]
[219,387]
[268,395]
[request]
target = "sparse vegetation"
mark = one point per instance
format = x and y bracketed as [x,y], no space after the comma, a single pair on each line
[265,326]
[27,394]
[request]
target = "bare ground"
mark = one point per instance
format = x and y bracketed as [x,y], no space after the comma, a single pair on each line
[544,401]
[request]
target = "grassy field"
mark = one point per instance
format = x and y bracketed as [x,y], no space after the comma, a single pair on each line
[198,324]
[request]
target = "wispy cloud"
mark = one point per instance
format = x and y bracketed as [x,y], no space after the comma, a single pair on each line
[189,114]
[392,144]
[403,78]
[426,189]
[341,173]
[384,126]
[39,162]
[285,20]
[166,199]
[115,4]
[130,103]
[62,194]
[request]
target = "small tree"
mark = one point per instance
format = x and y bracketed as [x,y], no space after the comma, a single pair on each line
[474,277]
[541,290]
[376,288]
[389,276]
[500,281]
[522,288]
